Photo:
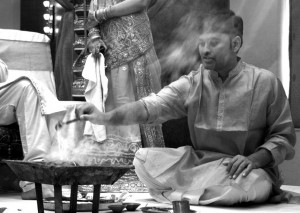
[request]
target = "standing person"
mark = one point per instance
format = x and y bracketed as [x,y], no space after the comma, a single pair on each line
[122,28]
[239,121]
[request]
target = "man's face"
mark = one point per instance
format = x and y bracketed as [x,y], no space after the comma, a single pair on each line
[216,51]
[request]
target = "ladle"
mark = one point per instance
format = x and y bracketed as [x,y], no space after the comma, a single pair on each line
[60,124]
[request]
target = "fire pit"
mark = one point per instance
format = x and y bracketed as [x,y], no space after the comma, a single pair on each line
[66,174]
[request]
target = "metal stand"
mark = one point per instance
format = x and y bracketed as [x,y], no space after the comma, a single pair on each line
[39,197]
[96,198]
[73,201]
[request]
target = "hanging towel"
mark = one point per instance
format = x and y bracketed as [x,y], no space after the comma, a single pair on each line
[95,92]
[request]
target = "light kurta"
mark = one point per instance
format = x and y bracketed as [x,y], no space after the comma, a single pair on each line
[246,112]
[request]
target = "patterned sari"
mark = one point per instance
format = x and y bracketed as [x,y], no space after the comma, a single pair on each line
[133,72]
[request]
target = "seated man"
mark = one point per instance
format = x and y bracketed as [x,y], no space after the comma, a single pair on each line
[37,111]
[239,121]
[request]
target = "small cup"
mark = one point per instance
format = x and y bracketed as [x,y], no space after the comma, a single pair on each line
[182,206]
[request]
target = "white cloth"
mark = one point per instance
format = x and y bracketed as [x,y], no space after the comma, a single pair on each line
[69,136]
[48,102]
[27,54]
[3,71]
[36,110]
[176,174]
[96,92]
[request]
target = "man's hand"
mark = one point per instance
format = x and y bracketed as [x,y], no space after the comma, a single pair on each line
[130,113]
[89,112]
[96,46]
[241,164]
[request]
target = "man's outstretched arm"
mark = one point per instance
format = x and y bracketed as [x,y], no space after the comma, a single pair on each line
[130,113]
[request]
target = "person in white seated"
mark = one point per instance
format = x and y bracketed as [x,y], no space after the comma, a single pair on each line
[36,110]
[239,121]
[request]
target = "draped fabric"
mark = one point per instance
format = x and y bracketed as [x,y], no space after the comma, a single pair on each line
[64,53]
[27,54]
[30,104]
[265,35]
[203,184]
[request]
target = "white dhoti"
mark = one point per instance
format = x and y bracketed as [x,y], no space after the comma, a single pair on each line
[173,174]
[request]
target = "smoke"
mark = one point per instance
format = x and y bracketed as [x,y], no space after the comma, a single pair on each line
[181,55]
[69,144]
[176,25]
[74,148]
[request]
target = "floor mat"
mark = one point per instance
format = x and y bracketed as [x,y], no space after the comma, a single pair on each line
[128,182]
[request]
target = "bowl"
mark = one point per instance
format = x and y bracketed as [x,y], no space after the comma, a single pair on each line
[116,208]
[131,206]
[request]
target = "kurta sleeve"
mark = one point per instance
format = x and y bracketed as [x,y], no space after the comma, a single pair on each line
[169,103]
[3,72]
[281,139]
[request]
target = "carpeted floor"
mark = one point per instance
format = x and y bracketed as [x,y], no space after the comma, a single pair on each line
[128,182]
